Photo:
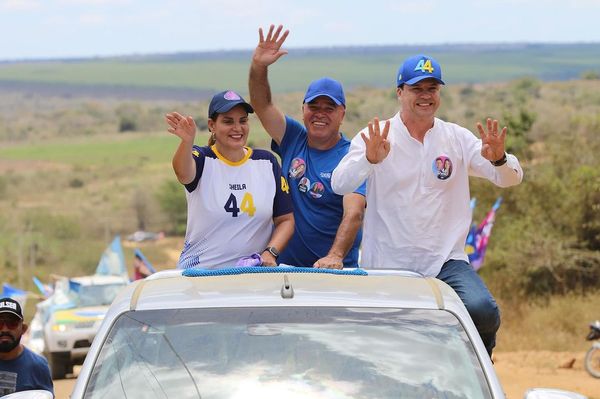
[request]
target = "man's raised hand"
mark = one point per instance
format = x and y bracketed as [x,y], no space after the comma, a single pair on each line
[377,144]
[269,49]
[492,141]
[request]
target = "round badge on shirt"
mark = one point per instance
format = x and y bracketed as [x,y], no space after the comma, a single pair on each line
[297,168]
[304,184]
[316,190]
[442,167]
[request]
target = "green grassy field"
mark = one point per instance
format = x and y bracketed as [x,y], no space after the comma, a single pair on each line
[355,67]
[124,151]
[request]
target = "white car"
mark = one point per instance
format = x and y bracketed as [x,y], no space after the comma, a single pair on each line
[289,333]
[69,332]
[34,337]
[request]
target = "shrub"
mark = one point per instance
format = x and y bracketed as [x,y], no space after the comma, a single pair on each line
[171,198]
[127,124]
[76,183]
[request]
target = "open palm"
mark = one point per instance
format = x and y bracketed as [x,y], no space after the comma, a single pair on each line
[269,49]
[377,146]
[492,141]
[181,126]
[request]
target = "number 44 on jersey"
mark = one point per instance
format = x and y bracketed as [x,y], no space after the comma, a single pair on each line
[246,206]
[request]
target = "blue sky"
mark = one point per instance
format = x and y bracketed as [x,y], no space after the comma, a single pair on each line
[83,28]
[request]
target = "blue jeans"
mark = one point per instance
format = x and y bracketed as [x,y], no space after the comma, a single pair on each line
[478,300]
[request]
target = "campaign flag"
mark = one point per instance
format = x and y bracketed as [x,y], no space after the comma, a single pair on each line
[14,293]
[470,244]
[43,288]
[479,236]
[74,286]
[112,262]
[142,267]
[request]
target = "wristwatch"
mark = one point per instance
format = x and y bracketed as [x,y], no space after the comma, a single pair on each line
[273,251]
[500,162]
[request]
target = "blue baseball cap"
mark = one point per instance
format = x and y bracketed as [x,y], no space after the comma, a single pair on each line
[226,100]
[326,87]
[417,68]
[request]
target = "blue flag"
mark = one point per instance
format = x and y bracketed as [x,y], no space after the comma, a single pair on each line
[139,254]
[12,292]
[112,262]
[44,289]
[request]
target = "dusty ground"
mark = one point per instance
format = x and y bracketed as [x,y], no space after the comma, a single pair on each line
[518,371]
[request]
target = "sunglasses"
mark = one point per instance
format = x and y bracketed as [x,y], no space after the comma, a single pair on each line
[10,324]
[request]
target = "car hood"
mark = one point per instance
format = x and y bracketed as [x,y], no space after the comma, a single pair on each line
[79,315]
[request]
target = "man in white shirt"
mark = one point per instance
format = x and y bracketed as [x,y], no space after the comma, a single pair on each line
[418,215]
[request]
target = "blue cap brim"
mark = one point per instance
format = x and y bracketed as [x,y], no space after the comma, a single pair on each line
[417,79]
[311,98]
[230,105]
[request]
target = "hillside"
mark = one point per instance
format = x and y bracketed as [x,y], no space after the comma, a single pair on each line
[193,76]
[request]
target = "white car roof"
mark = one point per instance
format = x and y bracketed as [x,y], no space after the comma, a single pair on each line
[169,289]
[97,279]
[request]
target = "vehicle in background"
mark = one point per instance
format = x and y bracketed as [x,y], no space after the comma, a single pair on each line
[140,236]
[592,357]
[289,332]
[70,329]
[34,337]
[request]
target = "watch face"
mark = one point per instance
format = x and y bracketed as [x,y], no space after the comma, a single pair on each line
[273,251]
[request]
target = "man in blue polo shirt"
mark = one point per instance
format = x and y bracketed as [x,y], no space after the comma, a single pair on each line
[20,368]
[328,226]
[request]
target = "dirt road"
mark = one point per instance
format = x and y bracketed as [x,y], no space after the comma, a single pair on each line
[518,371]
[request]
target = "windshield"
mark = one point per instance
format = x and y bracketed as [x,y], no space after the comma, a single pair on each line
[287,352]
[97,295]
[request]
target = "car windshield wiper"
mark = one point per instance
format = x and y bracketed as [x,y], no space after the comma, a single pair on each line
[168,341]
[173,350]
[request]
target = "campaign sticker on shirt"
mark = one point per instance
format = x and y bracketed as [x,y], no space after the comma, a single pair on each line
[304,184]
[442,167]
[316,190]
[297,168]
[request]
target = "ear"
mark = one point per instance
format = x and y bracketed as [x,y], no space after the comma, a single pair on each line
[211,125]
[398,92]
[24,328]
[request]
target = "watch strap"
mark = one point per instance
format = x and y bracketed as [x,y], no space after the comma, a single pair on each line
[501,161]
[273,251]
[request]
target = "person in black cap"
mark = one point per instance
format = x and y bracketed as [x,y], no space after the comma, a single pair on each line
[328,226]
[417,169]
[20,368]
[238,201]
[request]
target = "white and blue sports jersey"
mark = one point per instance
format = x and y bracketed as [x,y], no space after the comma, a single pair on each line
[231,206]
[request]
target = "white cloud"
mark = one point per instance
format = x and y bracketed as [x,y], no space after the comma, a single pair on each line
[94,2]
[92,19]
[20,5]
[405,8]
[585,4]
[340,27]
